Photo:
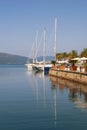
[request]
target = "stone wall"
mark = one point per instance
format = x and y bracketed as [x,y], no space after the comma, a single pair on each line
[71,75]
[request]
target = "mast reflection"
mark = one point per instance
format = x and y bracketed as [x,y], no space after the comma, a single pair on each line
[54,88]
[39,82]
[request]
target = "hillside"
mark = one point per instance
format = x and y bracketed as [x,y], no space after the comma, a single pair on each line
[6,58]
[10,59]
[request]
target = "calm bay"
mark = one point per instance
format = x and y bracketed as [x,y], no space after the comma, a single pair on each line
[35,101]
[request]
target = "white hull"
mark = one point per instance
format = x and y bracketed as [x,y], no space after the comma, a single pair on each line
[38,67]
[29,66]
[42,67]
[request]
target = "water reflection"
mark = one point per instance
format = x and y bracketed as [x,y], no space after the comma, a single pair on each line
[37,101]
[56,102]
[77,92]
[39,82]
[55,107]
[54,86]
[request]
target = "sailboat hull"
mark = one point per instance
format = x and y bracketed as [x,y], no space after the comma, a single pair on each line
[29,66]
[42,67]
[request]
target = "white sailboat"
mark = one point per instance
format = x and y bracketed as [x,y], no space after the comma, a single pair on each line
[47,66]
[30,66]
[44,66]
[37,65]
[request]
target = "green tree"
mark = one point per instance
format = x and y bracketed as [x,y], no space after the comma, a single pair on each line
[60,56]
[84,53]
[72,54]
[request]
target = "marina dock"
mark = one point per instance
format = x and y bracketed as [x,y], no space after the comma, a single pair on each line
[75,76]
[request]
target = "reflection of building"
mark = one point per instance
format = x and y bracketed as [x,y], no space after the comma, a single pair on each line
[77,92]
[53,81]
[62,87]
[72,92]
[80,104]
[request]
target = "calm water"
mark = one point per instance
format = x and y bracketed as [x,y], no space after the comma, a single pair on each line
[34,101]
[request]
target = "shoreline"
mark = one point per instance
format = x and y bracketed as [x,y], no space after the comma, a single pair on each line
[75,76]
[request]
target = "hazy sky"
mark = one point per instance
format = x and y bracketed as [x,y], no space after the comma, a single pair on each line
[20,19]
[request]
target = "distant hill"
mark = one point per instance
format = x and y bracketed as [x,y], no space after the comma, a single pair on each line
[10,59]
[47,58]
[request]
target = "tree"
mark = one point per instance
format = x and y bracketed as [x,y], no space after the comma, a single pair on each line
[84,53]
[72,54]
[61,56]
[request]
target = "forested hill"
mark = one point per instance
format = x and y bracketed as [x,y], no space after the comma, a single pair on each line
[10,59]
[6,59]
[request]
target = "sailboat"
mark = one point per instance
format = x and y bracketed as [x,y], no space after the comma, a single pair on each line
[42,65]
[28,64]
[45,66]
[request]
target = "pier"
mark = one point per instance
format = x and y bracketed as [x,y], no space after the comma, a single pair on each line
[75,76]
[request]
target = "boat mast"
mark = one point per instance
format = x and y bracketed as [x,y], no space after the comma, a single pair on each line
[44,48]
[55,38]
[36,46]
[33,52]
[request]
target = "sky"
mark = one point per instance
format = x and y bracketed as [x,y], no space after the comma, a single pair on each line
[21,19]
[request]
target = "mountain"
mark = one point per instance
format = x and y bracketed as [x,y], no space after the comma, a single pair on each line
[47,58]
[10,59]
[6,58]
